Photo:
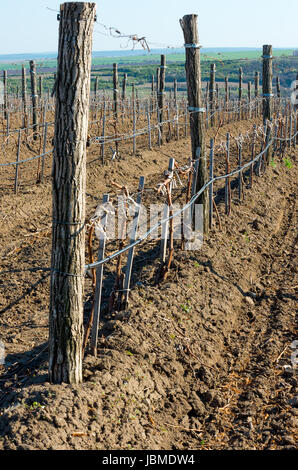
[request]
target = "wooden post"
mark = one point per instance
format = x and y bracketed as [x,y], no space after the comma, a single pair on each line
[267,94]
[226,105]
[124,83]
[69,186]
[134,147]
[278,87]
[165,225]
[17,164]
[249,98]
[149,127]
[5,92]
[212,92]
[226,89]
[44,151]
[197,118]
[211,168]
[103,134]
[253,149]
[239,166]
[115,90]
[161,92]
[95,88]
[175,93]
[40,87]
[24,93]
[227,180]
[34,97]
[240,93]
[257,84]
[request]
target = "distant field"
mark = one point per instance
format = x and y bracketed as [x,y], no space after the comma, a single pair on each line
[140,67]
[144,58]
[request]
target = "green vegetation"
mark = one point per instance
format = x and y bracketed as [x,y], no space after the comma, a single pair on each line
[141,68]
[288,163]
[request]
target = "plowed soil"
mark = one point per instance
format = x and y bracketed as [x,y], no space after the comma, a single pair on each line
[204,360]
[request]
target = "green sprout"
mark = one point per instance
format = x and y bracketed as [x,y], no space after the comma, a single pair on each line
[272,163]
[186,307]
[288,163]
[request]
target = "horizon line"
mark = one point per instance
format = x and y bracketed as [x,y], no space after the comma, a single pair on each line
[155,49]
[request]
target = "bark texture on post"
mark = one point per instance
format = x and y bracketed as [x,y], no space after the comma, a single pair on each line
[161,90]
[240,92]
[267,94]
[197,119]
[115,91]
[278,87]
[24,93]
[69,175]
[124,83]
[267,83]
[34,97]
[5,92]
[212,91]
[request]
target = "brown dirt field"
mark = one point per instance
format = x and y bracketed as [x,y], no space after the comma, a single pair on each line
[197,362]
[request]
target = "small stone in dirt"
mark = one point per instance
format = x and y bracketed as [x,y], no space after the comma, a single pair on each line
[288,440]
[256,224]
[288,371]
[249,300]
[294,401]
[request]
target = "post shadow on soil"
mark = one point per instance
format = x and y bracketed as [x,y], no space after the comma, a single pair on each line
[28,291]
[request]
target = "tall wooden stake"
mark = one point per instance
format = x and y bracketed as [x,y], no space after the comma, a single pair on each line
[24,93]
[161,91]
[240,93]
[5,92]
[212,92]
[195,102]
[115,91]
[267,93]
[69,185]
[34,97]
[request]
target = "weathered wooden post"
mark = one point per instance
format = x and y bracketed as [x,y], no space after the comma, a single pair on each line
[17,164]
[257,85]
[95,88]
[161,93]
[267,94]
[69,184]
[34,97]
[240,93]
[175,93]
[249,98]
[278,87]
[5,92]
[212,92]
[226,89]
[40,87]
[197,117]
[24,93]
[115,90]
[124,83]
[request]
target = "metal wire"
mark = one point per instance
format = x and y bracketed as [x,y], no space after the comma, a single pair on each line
[189,204]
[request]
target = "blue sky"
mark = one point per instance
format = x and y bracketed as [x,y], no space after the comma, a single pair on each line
[28,26]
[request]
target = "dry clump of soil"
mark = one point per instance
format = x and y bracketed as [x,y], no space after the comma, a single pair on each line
[202,361]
